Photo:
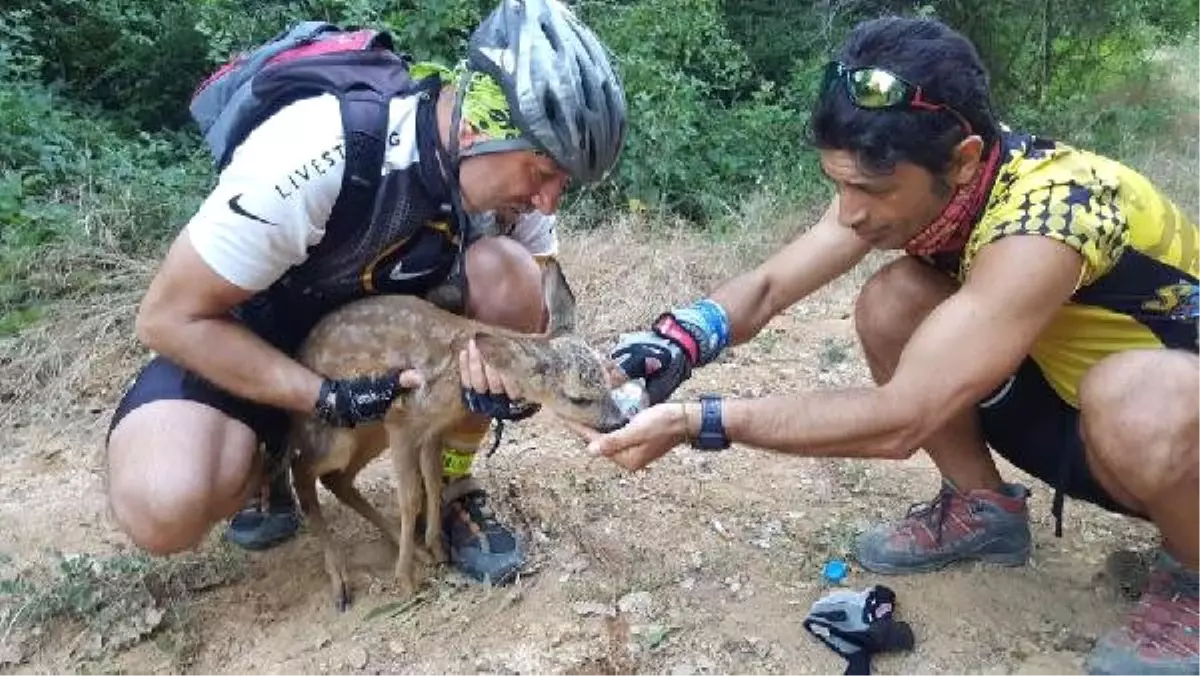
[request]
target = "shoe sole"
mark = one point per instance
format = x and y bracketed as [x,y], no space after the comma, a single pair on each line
[256,543]
[1009,559]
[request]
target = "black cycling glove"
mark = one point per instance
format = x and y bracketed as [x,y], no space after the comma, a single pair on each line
[659,361]
[349,402]
[676,343]
[497,406]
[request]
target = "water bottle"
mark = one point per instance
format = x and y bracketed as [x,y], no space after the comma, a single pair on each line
[631,397]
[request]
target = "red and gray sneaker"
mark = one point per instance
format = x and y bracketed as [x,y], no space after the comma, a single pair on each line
[1160,634]
[982,525]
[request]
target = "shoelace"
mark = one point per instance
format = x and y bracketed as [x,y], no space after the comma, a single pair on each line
[476,507]
[941,504]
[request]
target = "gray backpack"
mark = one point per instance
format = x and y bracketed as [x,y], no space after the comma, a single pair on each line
[361,67]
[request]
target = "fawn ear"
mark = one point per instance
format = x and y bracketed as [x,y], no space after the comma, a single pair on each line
[560,300]
[512,355]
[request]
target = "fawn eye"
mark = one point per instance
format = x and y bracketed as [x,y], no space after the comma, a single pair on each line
[579,401]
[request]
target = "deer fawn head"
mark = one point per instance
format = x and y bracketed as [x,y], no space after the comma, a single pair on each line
[558,369]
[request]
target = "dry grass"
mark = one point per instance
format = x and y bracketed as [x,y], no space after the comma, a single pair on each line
[633,268]
[92,606]
[83,348]
[1171,162]
[1171,165]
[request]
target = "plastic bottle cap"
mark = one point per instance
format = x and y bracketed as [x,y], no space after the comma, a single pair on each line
[835,570]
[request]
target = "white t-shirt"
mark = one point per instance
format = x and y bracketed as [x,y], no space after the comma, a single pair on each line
[272,200]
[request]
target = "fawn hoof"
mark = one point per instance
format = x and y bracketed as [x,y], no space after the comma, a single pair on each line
[337,582]
[340,593]
[438,552]
[341,598]
[406,575]
[407,585]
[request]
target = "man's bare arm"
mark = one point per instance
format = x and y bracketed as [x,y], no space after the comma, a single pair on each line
[965,348]
[185,317]
[821,254]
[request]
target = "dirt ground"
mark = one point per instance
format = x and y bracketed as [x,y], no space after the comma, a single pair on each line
[705,563]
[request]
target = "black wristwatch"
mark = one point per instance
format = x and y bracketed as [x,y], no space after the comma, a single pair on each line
[712,431]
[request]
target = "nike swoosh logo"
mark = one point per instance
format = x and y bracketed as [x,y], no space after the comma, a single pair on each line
[236,208]
[398,275]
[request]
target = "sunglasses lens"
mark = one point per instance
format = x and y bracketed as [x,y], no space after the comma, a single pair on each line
[874,88]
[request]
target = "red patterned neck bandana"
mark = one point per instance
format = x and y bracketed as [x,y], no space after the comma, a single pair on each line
[949,231]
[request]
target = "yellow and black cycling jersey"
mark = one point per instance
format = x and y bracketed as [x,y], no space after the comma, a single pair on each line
[1137,282]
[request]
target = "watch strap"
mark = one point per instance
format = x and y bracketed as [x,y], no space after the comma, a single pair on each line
[712,435]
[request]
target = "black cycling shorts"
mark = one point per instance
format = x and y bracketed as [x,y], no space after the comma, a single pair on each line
[1026,421]
[162,379]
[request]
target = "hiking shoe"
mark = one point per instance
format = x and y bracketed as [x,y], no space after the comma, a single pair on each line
[1160,634]
[479,545]
[267,520]
[980,525]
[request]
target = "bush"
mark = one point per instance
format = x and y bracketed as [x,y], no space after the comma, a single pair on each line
[69,178]
[704,131]
[718,103]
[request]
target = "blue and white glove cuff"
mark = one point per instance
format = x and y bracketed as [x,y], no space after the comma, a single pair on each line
[708,323]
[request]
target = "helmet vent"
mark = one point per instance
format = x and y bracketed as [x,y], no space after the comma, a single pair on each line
[551,36]
[550,105]
[586,86]
[588,142]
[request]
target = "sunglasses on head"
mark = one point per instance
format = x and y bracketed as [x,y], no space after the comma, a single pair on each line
[875,88]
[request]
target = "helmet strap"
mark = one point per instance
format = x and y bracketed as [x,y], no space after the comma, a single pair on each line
[451,160]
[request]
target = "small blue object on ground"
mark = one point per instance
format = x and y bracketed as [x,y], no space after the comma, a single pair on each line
[835,571]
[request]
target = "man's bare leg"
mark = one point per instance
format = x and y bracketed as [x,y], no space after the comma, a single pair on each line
[976,515]
[175,468]
[1141,413]
[893,303]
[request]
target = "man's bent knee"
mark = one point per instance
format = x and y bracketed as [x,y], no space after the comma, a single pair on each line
[895,300]
[504,285]
[1140,411]
[174,468]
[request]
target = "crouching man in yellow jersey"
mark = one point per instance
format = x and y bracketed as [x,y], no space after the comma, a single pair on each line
[1046,308]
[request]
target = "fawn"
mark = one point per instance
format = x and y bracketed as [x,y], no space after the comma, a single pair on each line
[556,369]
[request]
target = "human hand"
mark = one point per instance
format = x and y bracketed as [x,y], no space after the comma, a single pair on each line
[487,391]
[350,402]
[647,437]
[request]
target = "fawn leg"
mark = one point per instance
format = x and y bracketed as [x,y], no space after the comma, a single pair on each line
[305,485]
[342,487]
[431,474]
[406,473]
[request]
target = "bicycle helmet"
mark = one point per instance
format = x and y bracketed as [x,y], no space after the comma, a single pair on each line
[562,90]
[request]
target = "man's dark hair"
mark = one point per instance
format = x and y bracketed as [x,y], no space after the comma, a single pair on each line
[924,52]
